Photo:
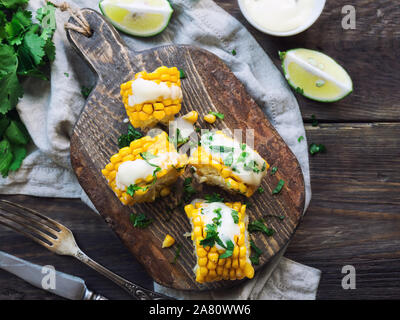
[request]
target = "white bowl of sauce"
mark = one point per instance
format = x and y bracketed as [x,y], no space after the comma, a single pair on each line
[281,18]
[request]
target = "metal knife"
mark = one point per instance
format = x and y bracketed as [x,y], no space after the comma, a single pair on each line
[63,285]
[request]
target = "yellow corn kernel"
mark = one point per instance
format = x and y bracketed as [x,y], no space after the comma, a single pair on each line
[249,271]
[226,172]
[210,118]
[211,265]
[201,252]
[169,76]
[159,114]
[191,116]
[202,262]
[132,153]
[242,251]
[168,241]
[212,256]
[148,108]
[165,192]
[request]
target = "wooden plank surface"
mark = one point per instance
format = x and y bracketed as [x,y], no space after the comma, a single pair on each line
[209,85]
[354,216]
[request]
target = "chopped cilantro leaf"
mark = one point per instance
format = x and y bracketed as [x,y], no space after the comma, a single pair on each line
[278,187]
[148,156]
[260,190]
[85,91]
[217,114]
[215,197]
[228,251]
[177,253]
[274,170]
[140,220]
[235,216]
[300,139]
[314,122]
[125,139]
[221,149]
[255,259]
[259,226]
[316,148]
[234,52]
[66,74]
[182,74]
[299,90]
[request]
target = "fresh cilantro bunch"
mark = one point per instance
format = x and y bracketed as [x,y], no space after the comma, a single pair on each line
[26,48]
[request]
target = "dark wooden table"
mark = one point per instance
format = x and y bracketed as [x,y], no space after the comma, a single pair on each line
[354,216]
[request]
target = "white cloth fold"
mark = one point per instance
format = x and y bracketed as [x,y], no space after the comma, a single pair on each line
[50,110]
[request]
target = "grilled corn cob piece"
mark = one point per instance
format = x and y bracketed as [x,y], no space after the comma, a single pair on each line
[222,161]
[152,97]
[221,241]
[145,169]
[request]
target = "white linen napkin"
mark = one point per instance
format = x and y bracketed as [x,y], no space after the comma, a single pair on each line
[50,110]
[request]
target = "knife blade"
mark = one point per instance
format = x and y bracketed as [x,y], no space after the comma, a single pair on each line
[65,285]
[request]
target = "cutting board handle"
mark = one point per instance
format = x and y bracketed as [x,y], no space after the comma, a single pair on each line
[104,49]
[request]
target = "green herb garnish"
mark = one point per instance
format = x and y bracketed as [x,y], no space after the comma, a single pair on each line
[26,49]
[242,157]
[255,259]
[85,91]
[182,74]
[260,190]
[274,170]
[278,187]
[125,139]
[221,149]
[314,122]
[66,74]
[300,139]
[316,148]
[259,226]
[217,219]
[235,216]
[140,220]
[147,156]
[217,114]
[215,197]
[234,52]
[212,236]
[299,90]
[228,251]
[264,166]
[133,188]
[177,253]
[188,189]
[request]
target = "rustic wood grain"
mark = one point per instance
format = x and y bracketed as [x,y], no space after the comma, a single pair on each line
[370,54]
[354,217]
[209,85]
[93,236]
[339,228]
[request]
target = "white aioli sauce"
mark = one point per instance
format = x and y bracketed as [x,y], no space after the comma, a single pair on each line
[280,15]
[150,91]
[248,176]
[129,171]
[186,128]
[228,228]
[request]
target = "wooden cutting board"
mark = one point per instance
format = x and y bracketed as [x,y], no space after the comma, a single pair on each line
[209,85]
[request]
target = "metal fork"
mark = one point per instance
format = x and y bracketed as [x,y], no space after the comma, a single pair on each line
[59,239]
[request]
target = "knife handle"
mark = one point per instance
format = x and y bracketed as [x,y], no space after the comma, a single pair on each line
[90,295]
[134,290]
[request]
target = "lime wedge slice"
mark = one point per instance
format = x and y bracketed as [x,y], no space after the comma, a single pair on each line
[315,75]
[143,18]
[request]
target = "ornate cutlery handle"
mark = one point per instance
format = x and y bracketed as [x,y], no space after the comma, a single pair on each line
[134,290]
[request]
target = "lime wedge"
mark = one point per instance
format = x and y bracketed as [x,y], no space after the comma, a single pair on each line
[143,18]
[315,75]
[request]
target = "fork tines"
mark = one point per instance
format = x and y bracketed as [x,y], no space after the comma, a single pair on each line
[28,222]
